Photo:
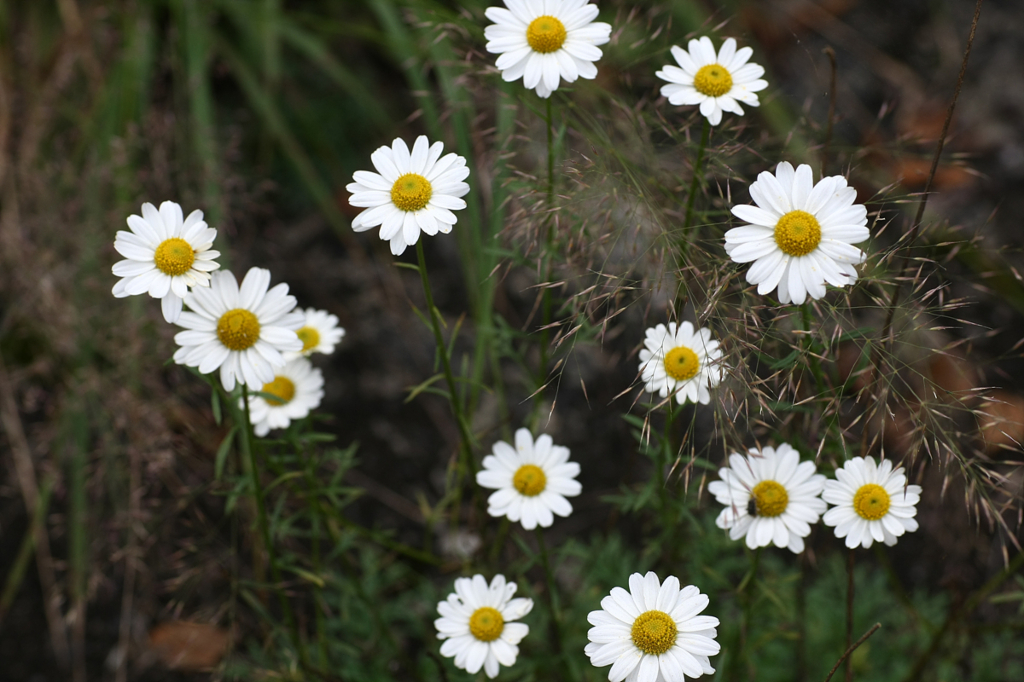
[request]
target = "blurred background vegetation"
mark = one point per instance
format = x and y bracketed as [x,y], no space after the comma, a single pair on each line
[121,553]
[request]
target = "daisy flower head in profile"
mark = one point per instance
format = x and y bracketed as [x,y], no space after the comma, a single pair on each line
[653,633]
[319,333]
[296,389]
[243,331]
[717,82]
[532,480]
[477,624]
[800,234]
[680,360]
[872,503]
[166,255]
[412,191]
[770,496]
[546,41]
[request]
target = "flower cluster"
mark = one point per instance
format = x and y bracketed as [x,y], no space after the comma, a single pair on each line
[251,334]
[798,237]
[771,497]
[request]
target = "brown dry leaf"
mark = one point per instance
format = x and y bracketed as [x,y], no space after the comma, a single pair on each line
[1001,421]
[913,174]
[181,645]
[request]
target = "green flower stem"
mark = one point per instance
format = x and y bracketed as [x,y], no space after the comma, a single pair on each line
[549,237]
[552,599]
[746,599]
[665,460]
[261,513]
[468,464]
[698,175]
[849,614]
[808,345]
[454,398]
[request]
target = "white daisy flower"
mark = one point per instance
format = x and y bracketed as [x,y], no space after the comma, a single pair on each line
[319,333]
[166,255]
[477,623]
[680,361]
[296,388]
[716,82]
[532,480]
[542,41]
[770,496]
[653,633]
[242,331]
[873,503]
[800,235]
[410,192]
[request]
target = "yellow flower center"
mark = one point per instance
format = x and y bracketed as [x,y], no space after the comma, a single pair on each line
[545,34]
[871,502]
[713,80]
[238,329]
[310,338]
[486,624]
[770,498]
[411,192]
[797,233]
[530,480]
[282,388]
[654,632]
[681,363]
[174,256]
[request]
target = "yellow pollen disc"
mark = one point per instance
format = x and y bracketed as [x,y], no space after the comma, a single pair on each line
[282,388]
[530,480]
[545,34]
[411,192]
[681,363]
[770,497]
[654,632]
[310,338]
[486,624]
[238,329]
[797,233]
[174,256]
[713,80]
[871,502]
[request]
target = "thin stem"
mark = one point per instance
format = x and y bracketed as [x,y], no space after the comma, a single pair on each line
[454,399]
[261,514]
[687,237]
[549,237]
[747,603]
[849,615]
[808,345]
[552,598]
[850,649]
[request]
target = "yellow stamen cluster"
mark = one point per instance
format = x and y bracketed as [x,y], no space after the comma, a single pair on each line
[282,388]
[713,80]
[797,233]
[681,363]
[530,480]
[545,34]
[871,502]
[654,632]
[238,329]
[770,497]
[486,624]
[174,256]
[310,338]
[411,192]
